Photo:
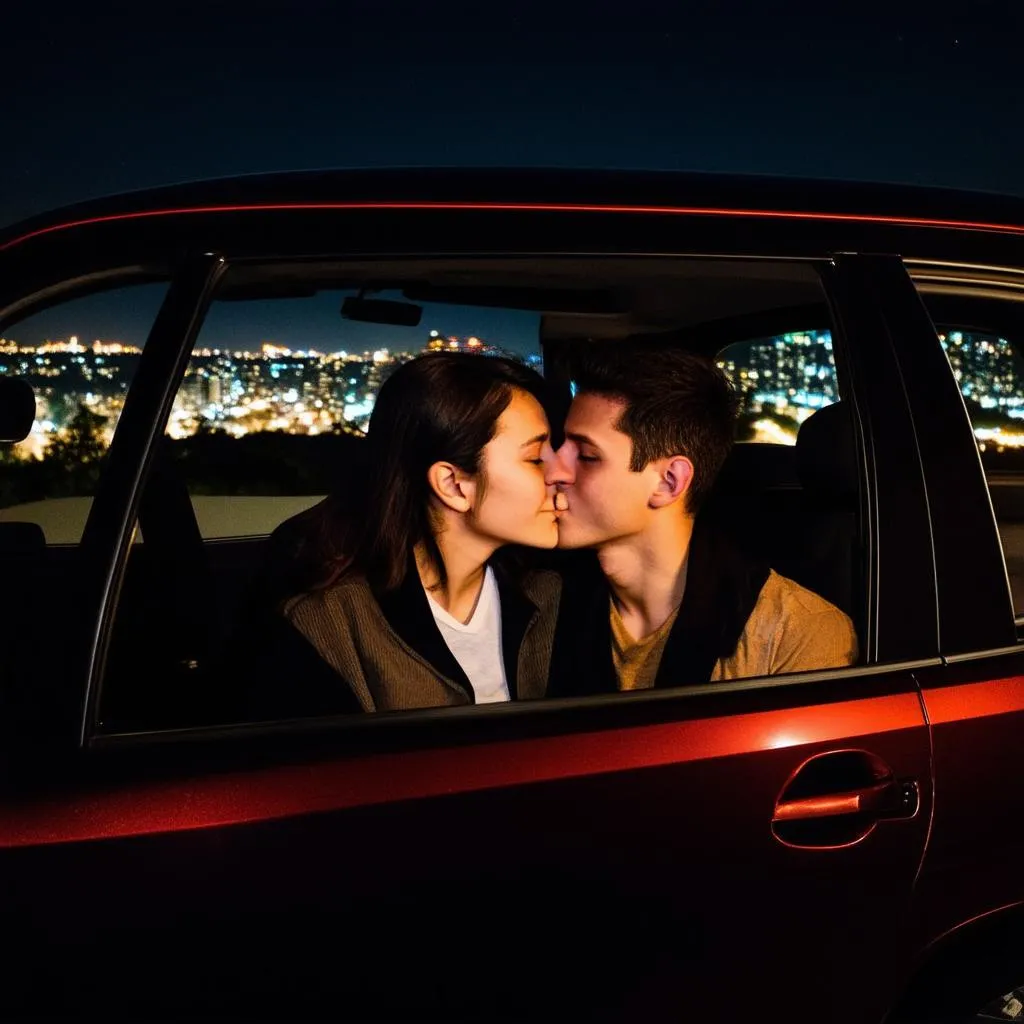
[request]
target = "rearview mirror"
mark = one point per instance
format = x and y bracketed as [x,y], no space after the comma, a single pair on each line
[381,311]
[17,409]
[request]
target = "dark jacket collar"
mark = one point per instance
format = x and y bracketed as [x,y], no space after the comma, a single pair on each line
[407,610]
[722,587]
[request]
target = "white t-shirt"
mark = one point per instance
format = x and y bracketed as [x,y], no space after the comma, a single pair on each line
[477,644]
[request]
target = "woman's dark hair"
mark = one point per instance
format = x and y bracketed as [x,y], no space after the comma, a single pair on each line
[438,407]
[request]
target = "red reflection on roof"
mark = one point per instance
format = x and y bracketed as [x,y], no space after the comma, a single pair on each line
[693,211]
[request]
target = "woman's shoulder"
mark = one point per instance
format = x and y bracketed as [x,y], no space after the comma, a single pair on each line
[346,594]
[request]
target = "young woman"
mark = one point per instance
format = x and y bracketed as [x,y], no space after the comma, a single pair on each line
[407,595]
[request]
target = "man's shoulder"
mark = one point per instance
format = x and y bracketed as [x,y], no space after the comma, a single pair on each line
[787,598]
[803,629]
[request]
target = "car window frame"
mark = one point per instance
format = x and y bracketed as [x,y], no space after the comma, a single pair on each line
[978,618]
[194,289]
[305,235]
[993,299]
[110,527]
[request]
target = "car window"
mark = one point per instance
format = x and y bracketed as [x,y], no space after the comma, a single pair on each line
[80,357]
[990,372]
[781,381]
[265,452]
[277,395]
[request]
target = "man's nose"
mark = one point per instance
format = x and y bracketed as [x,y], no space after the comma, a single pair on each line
[559,470]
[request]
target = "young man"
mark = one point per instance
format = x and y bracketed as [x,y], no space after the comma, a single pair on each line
[668,601]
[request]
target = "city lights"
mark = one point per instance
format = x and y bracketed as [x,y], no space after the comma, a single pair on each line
[268,387]
[271,387]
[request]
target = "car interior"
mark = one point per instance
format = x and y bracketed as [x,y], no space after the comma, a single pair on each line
[196,635]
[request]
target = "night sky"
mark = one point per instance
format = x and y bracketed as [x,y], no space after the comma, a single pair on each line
[126,315]
[101,98]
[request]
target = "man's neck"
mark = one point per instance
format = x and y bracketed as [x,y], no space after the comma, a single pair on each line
[647,574]
[465,558]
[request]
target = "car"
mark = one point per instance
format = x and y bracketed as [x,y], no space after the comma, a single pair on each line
[842,844]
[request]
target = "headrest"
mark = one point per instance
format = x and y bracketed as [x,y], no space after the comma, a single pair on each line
[757,467]
[21,539]
[17,409]
[826,453]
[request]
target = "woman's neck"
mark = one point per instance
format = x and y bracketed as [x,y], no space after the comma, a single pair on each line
[464,557]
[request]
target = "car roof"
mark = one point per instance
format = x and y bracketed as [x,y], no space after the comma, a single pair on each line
[544,189]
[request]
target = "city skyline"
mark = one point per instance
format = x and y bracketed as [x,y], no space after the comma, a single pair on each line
[236,391]
[782,380]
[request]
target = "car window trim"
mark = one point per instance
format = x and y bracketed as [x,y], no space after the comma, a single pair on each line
[201,292]
[543,708]
[861,344]
[995,652]
[934,375]
[110,525]
[82,286]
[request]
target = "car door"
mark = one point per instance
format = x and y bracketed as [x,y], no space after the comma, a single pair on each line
[969,897]
[742,850]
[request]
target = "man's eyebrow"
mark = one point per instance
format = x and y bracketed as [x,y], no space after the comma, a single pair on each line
[540,438]
[582,439]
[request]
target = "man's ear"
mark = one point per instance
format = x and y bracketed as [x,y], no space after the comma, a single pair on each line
[451,486]
[676,478]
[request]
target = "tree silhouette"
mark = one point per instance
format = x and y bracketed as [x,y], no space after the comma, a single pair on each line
[83,442]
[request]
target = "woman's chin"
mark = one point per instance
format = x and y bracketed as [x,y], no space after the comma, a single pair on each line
[542,539]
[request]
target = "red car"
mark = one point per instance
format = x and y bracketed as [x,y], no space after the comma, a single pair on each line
[837,845]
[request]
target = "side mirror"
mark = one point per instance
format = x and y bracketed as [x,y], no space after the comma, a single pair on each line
[17,409]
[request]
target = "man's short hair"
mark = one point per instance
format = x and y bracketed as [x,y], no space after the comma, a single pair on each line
[677,403]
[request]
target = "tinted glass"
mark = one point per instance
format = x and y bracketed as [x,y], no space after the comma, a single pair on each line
[278,393]
[990,372]
[80,358]
[270,419]
[781,381]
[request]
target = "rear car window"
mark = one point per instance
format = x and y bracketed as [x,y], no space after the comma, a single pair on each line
[781,381]
[990,372]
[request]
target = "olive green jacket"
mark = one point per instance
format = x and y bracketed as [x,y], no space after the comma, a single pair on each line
[388,649]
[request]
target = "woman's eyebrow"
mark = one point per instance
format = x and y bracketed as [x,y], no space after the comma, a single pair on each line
[539,439]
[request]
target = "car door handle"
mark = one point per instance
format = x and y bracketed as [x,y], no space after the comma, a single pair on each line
[888,799]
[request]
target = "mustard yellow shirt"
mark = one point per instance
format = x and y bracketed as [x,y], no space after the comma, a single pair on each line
[791,629]
[637,661]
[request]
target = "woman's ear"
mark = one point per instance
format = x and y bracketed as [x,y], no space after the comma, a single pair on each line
[451,486]
[675,480]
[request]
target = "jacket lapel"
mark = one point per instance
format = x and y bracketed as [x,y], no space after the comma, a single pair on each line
[517,611]
[408,613]
[722,588]
[581,660]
